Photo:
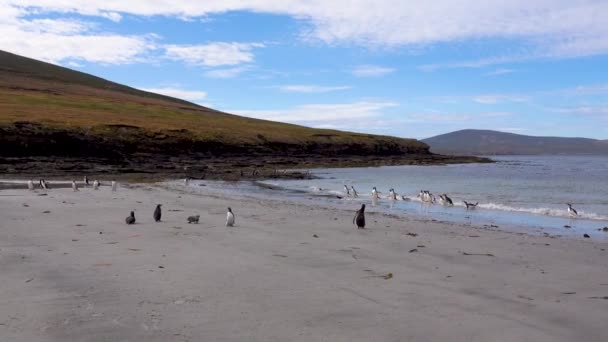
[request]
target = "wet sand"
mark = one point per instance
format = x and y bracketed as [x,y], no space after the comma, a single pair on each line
[72,270]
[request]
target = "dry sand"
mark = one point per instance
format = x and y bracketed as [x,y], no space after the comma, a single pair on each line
[72,270]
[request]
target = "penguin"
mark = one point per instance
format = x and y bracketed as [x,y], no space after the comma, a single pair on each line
[30,185]
[359,218]
[571,211]
[375,193]
[74,186]
[96,185]
[354,191]
[446,199]
[347,191]
[229,218]
[392,195]
[86,181]
[43,184]
[131,218]
[114,185]
[157,213]
[193,219]
[186,180]
[470,205]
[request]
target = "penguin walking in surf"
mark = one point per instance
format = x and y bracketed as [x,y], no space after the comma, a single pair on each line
[43,184]
[392,195]
[96,185]
[571,211]
[470,205]
[74,186]
[347,190]
[359,218]
[354,192]
[446,200]
[131,218]
[230,218]
[86,181]
[157,213]
[30,185]
[375,193]
[114,185]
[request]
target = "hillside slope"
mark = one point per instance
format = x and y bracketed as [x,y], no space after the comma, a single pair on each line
[48,111]
[486,142]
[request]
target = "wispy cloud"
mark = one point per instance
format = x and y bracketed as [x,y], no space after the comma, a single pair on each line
[498,98]
[213,54]
[311,89]
[497,72]
[226,72]
[371,71]
[188,95]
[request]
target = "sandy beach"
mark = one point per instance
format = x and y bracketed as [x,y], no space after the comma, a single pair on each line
[72,270]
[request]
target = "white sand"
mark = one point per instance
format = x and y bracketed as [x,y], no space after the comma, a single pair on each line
[269,279]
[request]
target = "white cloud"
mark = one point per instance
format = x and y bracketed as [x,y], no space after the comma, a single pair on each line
[322,114]
[371,71]
[562,28]
[188,95]
[310,89]
[498,98]
[498,72]
[213,54]
[226,72]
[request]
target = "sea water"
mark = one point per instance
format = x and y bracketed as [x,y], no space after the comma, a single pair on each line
[517,192]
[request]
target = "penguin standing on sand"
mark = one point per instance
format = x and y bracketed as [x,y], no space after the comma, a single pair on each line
[157,213]
[131,218]
[74,186]
[114,185]
[359,218]
[96,185]
[86,181]
[30,185]
[229,218]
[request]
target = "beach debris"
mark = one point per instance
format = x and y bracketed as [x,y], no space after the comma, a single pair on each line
[111,243]
[25,205]
[46,212]
[413,250]
[586,236]
[175,210]
[134,249]
[412,234]
[193,219]
[30,279]
[599,297]
[161,266]
[605,229]
[388,276]
[74,240]
[134,235]
[524,297]
[280,255]
[315,235]
[81,225]
[100,233]
[473,236]
[421,246]
[481,254]
[568,293]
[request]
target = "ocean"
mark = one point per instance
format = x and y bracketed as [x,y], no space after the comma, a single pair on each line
[517,192]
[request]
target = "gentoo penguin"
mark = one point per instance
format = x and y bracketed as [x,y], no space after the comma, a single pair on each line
[157,213]
[354,191]
[74,186]
[229,218]
[359,218]
[44,185]
[392,195]
[347,190]
[30,185]
[193,219]
[186,180]
[446,200]
[571,211]
[375,193]
[96,185]
[131,218]
[114,185]
[470,205]
[86,181]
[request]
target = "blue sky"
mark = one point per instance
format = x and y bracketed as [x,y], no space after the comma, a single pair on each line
[391,67]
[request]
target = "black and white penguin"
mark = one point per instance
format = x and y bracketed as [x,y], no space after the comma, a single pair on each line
[30,184]
[359,218]
[354,192]
[571,211]
[131,218]
[74,186]
[347,190]
[157,213]
[470,205]
[114,185]
[229,218]
[193,219]
[86,181]
[96,185]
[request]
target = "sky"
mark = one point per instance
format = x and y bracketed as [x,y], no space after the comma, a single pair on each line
[392,67]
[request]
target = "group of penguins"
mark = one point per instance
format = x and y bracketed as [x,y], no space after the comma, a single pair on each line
[424,195]
[230,218]
[45,185]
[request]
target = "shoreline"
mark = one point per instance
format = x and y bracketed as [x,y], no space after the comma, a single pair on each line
[72,270]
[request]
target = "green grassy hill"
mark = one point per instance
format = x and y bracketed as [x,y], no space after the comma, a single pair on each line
[50,110]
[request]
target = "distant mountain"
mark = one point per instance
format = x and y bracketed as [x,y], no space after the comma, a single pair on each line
[486,142]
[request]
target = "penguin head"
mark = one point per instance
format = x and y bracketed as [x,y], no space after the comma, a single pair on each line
[229,210]
[362,207]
